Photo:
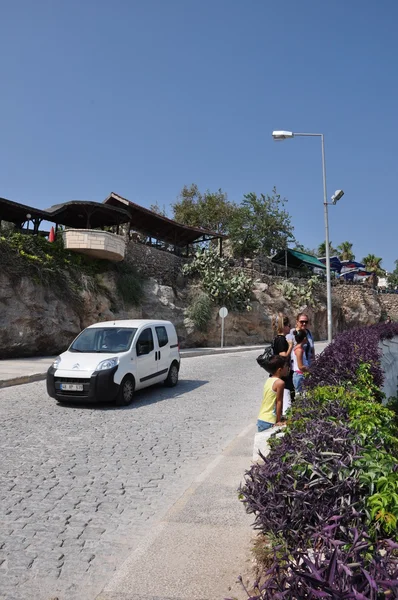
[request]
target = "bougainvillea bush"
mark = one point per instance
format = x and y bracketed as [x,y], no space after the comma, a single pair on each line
[326,497]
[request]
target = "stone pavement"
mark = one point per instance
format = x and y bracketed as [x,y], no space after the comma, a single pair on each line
[89,497]
[81,488]
[203,543]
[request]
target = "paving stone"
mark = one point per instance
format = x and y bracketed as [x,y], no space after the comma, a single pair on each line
[81,487]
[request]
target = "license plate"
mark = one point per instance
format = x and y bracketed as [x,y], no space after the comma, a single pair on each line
[72,387]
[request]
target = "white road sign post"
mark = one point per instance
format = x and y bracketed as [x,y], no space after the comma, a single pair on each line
[223,313]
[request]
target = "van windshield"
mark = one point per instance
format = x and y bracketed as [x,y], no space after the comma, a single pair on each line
[107,340]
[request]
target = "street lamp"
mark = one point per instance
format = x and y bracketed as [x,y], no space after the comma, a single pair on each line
[285,135]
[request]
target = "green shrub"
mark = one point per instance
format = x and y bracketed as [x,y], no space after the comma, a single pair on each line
[129,283]
[375,427]
[223,286]
[67,273]
[200,311]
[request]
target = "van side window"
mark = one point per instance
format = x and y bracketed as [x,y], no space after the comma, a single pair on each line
[162,336]
[145,342]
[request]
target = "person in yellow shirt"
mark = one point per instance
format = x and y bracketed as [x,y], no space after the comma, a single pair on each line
[271,407]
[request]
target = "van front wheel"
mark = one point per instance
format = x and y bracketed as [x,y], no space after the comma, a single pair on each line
[172,377]
[126,392]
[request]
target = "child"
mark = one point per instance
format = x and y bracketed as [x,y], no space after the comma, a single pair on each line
[271,407]
[300,361]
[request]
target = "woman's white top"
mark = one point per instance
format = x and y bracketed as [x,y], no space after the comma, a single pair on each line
[295,366]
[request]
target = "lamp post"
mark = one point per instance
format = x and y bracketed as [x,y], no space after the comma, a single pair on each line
[284,135]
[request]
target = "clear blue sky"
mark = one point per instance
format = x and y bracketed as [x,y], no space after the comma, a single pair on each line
[143,96]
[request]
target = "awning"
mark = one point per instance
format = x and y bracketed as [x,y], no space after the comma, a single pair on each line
[335,263]
[86,215]
[297,260]
[159,227]
[14,212]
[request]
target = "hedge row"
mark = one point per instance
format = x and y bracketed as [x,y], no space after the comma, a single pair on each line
[326,497]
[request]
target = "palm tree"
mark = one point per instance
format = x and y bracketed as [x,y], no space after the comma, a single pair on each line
[372,263]
[345,251]
[321,252]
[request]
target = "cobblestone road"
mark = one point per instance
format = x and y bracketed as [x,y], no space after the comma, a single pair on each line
[80,487]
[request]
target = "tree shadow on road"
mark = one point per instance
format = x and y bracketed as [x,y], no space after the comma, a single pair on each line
[145,397]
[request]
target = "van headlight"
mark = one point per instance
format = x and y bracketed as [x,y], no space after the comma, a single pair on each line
[56,362]
[109,363]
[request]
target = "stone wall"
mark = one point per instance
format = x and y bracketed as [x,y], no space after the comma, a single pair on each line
[363,303]
[359,304]
[389,303]
[163,266]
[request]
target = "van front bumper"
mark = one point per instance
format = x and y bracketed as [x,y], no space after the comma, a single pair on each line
[100,387]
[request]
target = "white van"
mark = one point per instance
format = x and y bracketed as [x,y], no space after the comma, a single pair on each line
[109,361]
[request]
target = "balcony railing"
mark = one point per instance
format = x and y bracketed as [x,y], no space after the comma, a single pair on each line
[95,243]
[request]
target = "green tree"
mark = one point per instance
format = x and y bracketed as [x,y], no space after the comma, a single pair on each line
[302,248]
[158,210]
[345,251]
[321,252]
[211,210]
[392,278]
[260,225]
[373,263]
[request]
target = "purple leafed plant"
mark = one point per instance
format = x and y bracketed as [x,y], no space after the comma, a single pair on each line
[347,568]
[339,361]
[306,479]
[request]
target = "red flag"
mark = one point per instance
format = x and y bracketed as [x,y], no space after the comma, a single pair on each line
[51,237]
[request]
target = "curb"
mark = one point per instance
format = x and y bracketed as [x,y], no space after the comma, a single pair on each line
[21,380]
[4,383]
[206,351]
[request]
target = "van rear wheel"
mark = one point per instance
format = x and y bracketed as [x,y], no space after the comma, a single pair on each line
[126,392]
[172,377]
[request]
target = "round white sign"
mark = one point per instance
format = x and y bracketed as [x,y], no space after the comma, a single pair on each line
[223,312]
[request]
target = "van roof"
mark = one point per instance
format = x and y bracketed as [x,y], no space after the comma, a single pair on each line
[130,323]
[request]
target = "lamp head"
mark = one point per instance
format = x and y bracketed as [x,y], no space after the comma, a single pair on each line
[28,216]
[337,196]
[279,136]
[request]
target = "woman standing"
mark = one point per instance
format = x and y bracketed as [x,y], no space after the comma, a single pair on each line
[282,347]
[280,344]
[302,323]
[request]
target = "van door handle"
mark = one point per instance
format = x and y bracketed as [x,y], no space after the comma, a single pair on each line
[156,355]
[159,354]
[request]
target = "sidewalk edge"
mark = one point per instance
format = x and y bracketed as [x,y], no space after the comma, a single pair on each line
[4,383]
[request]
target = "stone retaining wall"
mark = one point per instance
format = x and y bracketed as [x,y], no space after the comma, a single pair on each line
[163,266]
[357,297]
[389,302]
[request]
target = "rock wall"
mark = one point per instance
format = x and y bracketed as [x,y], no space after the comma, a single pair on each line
[389,303]
[359,304]
[34,320]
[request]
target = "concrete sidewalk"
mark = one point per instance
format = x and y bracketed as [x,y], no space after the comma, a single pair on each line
[203,543]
